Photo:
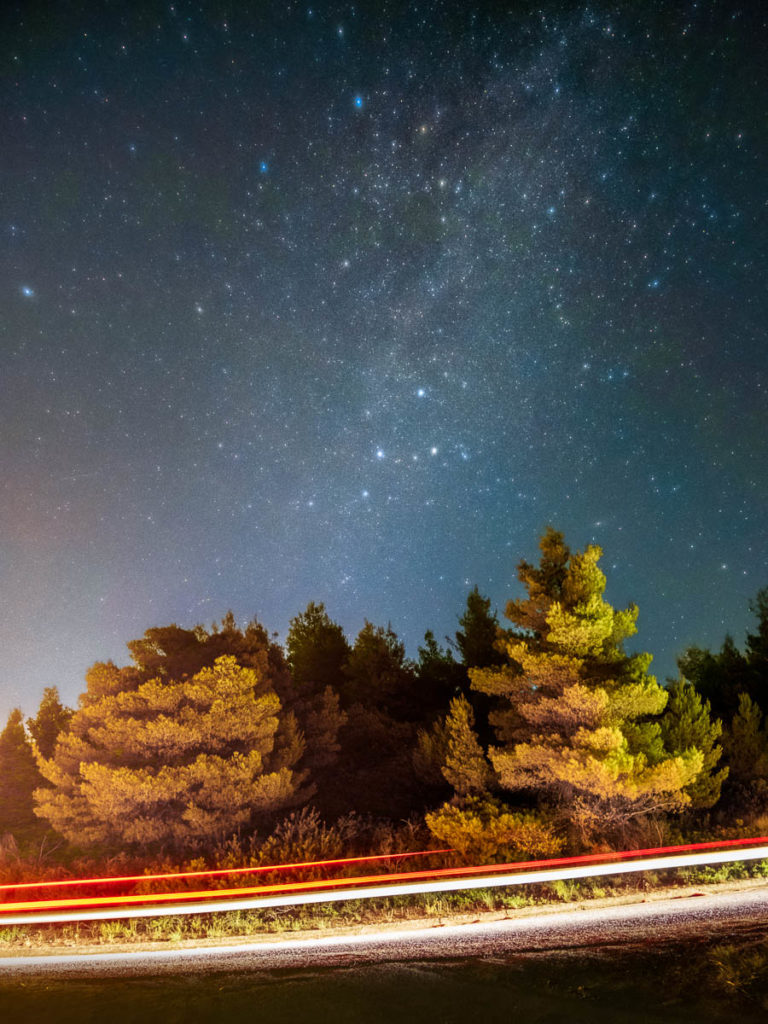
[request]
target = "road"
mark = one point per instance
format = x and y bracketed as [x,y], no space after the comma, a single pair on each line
[721,911]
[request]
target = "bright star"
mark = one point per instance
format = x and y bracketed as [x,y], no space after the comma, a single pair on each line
[27,292]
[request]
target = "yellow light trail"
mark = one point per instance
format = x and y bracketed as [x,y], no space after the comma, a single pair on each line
[654,863]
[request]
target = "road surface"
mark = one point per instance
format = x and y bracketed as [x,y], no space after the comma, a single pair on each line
[737,909]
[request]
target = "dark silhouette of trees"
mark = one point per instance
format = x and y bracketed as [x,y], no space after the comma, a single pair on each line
[317,650]
[19,777]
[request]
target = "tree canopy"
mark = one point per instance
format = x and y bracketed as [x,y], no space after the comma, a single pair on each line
[172,763]
[19,777]
[578,725]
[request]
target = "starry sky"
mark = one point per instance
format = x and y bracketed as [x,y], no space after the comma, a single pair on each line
[346,302]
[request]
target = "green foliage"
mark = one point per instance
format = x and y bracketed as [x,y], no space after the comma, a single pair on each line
[478,637]
[374,773]
[174,763]
[317,649]
[173,653]
[482,831]
[687,725]
[737,968]
[757,642]
[379,675]
[52,719]
[304,836]
[465,767]
[430,754]
[721,678]
[718,678]
[439,675]
[19,777]
[746,742]
[578,725]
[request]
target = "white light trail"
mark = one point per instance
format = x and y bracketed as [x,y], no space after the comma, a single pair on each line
[403,889]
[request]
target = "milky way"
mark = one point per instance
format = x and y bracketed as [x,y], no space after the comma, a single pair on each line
[347,302]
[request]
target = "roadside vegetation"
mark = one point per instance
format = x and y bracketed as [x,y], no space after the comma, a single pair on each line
[219,748]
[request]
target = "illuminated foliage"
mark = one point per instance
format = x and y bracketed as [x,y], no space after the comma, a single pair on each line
[173,763]
[465,766]
[578,725]
[430,753]
[52,718]
[687,725]
[484,830]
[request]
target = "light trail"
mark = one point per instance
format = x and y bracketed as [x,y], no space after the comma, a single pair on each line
[406,885]
[517,865]
[62,882]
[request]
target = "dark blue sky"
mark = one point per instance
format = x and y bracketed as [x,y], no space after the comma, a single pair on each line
[347,302]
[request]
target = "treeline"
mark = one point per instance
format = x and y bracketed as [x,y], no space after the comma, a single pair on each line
[509,742]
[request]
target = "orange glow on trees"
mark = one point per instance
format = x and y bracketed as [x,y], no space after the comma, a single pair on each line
[172,763]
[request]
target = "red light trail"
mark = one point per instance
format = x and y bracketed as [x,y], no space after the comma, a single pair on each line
[111,879]
[622,862]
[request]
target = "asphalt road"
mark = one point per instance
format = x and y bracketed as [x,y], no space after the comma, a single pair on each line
[581,931]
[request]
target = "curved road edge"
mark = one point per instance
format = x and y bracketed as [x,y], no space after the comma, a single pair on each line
[660,919]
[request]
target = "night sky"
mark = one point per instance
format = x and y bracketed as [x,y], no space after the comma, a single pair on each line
[346,302]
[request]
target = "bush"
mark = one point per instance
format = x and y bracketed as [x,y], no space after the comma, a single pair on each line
[484,830]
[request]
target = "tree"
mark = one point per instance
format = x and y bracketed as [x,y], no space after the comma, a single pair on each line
[19,777]
[466,767]
[317,649]
[478,637]
[745,748]
[173,763]
[52,719]
[746,744]
[723,677]
[170,652]
[718,678]
[757,642]
[687,725]
[579,724]
[378,674]
[439,675]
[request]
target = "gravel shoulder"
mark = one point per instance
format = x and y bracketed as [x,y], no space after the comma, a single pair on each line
[670,904]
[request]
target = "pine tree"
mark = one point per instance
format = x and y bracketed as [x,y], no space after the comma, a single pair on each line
[440,677]
[466,767]
[579,727]
[478,637]
[174,764]
[746,744]
[19,777]
[317,650]
[718,678]
[52,719]
[757,642]
[687,725]
[379,675]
